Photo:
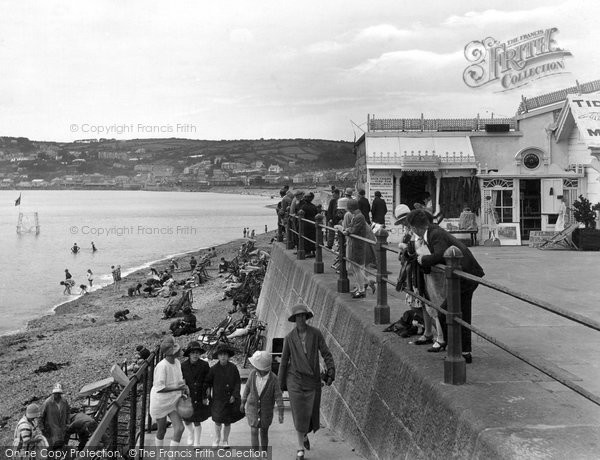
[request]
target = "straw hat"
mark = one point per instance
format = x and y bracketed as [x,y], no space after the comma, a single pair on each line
[223,349]
[169,347]
[57,388]
[401,212]
[33,411]
[349,191]
[193,346]
[299,309]
[261,360]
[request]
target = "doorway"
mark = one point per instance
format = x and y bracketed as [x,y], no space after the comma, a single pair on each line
[414,185]
[531,207]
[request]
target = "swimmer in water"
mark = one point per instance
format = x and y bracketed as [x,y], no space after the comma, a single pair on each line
[75,248]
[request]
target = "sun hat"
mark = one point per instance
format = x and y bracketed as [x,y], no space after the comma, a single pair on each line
[57,388]
[261,360]
[401,212]
[299,309]
[193,345]
[223,349]
[33,411]
[349,191]
[169,347]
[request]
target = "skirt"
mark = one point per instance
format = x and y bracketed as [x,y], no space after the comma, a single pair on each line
[162,404]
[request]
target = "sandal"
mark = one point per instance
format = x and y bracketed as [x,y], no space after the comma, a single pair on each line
[437,347]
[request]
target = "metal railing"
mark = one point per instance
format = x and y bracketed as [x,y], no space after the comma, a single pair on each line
[454,364]
[123,427]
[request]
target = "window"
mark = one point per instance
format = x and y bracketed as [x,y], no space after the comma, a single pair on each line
[531,160]
[503,205]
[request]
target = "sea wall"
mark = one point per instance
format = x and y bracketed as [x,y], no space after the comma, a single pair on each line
[380,402]
[389,400]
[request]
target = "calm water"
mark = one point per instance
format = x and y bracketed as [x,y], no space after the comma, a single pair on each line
[129,228]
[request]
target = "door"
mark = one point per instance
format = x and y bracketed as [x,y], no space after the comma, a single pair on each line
[531,207]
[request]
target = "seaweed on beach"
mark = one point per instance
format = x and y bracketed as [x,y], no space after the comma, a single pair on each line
[50,367]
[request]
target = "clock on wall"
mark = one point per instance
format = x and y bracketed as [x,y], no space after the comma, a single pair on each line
[531,160]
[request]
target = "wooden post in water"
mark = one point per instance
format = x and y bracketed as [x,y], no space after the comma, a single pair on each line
[343,284]
[382,309]
[455,367]
[301,254]
[318,265]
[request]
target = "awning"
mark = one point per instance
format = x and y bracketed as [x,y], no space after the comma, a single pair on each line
[429,153]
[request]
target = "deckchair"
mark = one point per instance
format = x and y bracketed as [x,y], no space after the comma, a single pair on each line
[561,239]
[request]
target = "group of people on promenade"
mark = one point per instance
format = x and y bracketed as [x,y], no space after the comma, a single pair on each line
[216,391]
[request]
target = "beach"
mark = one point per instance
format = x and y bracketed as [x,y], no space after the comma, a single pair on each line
[84,335]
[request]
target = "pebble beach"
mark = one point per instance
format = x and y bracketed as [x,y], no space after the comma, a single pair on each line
[84,338]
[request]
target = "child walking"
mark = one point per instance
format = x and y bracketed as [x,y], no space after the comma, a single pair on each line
[224,379]
[261,394]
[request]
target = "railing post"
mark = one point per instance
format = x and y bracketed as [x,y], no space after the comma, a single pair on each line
[455,368]
[382,309]
[301,254]
[289,242]
[343,284]
[132,416]
[318,265]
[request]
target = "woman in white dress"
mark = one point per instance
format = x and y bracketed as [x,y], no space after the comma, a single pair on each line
[168,386]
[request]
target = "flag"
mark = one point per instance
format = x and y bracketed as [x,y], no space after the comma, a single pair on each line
[18,201]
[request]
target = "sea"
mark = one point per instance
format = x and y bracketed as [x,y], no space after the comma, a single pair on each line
[132,229]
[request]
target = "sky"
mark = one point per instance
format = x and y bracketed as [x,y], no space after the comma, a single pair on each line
[248,69]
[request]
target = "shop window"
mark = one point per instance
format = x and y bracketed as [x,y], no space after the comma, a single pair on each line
[458,192]
[503,205]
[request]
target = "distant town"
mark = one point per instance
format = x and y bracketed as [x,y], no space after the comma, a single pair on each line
[173,164]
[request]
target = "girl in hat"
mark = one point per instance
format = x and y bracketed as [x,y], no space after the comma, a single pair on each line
[300,374]
[168,386]
[260,395]
[224,379]
[195,371]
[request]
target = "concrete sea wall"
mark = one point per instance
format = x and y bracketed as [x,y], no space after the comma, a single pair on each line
[389,401]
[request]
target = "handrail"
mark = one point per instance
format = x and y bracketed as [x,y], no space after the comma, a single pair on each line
[454,365]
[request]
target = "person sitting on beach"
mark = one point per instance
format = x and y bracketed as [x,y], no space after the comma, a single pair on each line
[27,438]
[185,325]
[173,265]
[82,289]
[154,273]
[223,265]
[212,253]
[75,248]
[134,290]
[121,315]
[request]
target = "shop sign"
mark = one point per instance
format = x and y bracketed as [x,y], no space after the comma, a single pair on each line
[515,62]
[586,112]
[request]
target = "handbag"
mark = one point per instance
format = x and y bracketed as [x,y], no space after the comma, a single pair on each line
[185,408]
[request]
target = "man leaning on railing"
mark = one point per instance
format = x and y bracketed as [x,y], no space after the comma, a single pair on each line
[438,240]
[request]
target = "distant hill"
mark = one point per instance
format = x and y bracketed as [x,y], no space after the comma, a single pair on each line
[118,157]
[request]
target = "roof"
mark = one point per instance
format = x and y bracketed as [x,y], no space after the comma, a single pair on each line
[420,153]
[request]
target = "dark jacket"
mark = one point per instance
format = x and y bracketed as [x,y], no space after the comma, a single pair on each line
[195,378]
[438,240]
[365,208]
[331,211]
[379,210]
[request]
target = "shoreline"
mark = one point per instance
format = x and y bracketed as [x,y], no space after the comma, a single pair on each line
[82,332]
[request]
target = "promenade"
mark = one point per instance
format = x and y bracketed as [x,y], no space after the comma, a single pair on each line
[507,409]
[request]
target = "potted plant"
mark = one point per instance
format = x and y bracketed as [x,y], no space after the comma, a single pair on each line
[588,238]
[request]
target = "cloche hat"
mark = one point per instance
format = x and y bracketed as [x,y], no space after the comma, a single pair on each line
[261,360]
[33,411]
[401,212]
[193,346]
[169,347]
[299,309]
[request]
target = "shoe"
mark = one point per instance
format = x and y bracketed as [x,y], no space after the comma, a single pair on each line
[306,442]
[300,454]
[437,347]
[423,340]
[225,445]
[468,358]
[359,295]
[215,443]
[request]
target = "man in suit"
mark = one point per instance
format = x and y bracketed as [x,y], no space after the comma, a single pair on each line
[438,240]
[378,209]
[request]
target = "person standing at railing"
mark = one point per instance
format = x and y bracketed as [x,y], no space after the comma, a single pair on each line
[437,241]
[331,216]
[378,209]
[310,213]
[356,249]
[168,386]
[364,206]
[298,195]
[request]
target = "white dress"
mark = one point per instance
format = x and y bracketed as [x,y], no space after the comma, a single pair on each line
[165,375]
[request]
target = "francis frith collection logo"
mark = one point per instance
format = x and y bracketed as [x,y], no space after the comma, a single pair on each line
[516,62]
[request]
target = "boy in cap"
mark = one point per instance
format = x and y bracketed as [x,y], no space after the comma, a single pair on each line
[27,437]
[54,418]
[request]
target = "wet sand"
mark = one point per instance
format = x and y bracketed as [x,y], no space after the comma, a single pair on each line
[83,333]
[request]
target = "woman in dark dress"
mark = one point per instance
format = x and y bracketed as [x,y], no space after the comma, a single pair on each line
[195,371]
[310,212]
[224,379]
